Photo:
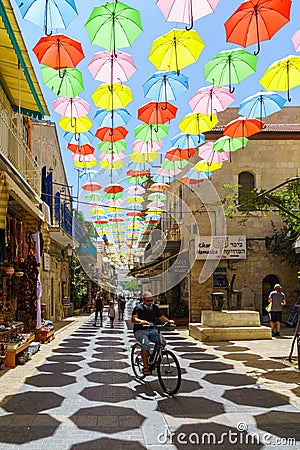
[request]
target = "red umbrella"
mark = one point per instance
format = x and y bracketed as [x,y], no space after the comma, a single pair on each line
[138,173]
[58,51]
[134,214]
[91,186]
[243,127]
[85,149]
[111,134]
[113,188]
[256,21]
[178,154]
[157,112]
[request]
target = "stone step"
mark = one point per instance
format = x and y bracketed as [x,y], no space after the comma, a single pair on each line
[214,334]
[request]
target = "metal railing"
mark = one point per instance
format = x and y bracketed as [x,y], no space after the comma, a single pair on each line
[14,147]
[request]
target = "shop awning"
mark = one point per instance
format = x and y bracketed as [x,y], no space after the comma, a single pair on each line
[3,201]
[17,76]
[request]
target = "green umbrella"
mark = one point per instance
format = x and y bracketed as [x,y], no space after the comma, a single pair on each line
[112,147]
[94,196]
[230,67]
[149,132]
[63,82]
[114,25]
[229,144]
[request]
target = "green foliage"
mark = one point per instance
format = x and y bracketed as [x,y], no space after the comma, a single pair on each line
[89,231]
[78,284]
[132,285]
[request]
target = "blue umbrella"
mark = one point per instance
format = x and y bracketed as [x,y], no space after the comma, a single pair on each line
[87,172]
[164,86]
[261,104]
[48,14]
[80,138]
[183,140]
[112,118]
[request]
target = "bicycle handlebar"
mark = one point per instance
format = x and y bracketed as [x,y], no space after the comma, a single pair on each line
[154,325]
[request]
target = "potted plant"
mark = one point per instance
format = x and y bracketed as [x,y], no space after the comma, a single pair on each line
[180,314]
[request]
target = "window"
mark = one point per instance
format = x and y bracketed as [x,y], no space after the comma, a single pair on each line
[247,183]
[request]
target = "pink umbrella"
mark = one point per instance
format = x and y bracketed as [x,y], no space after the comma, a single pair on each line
[71,107]
[207,153]
[296,41]
[79,157]
[110,157]
[146,147]
[112,67]
[210,99]
[169,172]
[155,205]
[186,11]
[135,190]
[116,202]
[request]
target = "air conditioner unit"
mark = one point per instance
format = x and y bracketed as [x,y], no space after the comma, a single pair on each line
[46,212]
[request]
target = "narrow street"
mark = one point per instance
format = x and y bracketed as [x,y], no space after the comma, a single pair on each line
[84,396]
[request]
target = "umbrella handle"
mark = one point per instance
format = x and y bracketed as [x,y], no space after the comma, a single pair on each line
[231,89]
[258,49]
[192,18]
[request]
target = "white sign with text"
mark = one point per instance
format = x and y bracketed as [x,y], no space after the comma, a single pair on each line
[224,247]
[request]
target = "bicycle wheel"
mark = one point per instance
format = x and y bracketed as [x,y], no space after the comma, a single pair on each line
[169,373]
[137,362]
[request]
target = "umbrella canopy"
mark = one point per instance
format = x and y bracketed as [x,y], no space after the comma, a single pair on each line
[112,147]
[143,157]
[113,189]
[205,166]
[230,67]
[177,154]
[84,158]
[135,190]
[111,157]
[94,196]
[111,134]
[229,144]
[157,196]
[187,11]
[66,82]
[111,96]
[114,25]
[91,186]
[48,14]
[146,147]
[112,118]
[211,99]
[185,140]
[165,86]
[257,20]
[85,149]
[75,125]
[176,49]
[243,127]
[150,133]
[209,154]
[58,51]
[159,187]
[197,123]
[81,139]
[282,75]
[195,177]
[135,199]
[71,107]
[157,112]
[261,104]
[85,164]
[112,67]
[155,205]
[296,41]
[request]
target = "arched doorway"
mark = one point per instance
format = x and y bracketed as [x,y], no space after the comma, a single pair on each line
[267,286]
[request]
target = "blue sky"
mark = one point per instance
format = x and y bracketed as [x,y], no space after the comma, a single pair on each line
[210,28]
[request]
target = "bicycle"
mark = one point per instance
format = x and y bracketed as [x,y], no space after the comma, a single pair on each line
[168,368]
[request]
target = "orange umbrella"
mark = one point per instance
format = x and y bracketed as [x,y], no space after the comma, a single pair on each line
[58,51]
[178,154]
[243,127]
[85,149]
[91,186]
[157,187]
[111,134]
[157,112]
[257,20]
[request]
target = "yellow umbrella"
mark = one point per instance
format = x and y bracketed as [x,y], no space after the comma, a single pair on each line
[112,96]
[282,75]
[75,124]
[115,209]
[97,211]
[111,165]
[205,166]
[143,157]
[176,49]
[154,211]
[137,199]
[85,164]
[196,123]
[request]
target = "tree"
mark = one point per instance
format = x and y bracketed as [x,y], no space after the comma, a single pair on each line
[132,285]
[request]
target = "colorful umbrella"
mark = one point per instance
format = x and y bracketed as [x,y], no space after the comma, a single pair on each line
[176,49]
[159,187]
[135,199]
[113,189]
[114,25]
[230,67]
[112,147]
[165,86]
[82,139]
[207,153]
[155,205]
[111,157]
[75,125]
[111,134]
[194,177]
[112,67]
[186,11]
[205,166]
[71,107]
[48,14]
[211,99]
[150,133]
[94,196]
[146,147]
[229,144]
[112,118]
[178,154]
[183,140]
[85,164]
[197,123]
[143,157]
[91,186]
[282,75]
[135,190]
[261,104]
[243,127]
[85,149]
[58,51]
[296,41]
[67,82]
[157,196]
[111,96]
[157,112]
[257,20]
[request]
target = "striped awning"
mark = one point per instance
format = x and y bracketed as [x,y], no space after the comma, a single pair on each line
[3,201]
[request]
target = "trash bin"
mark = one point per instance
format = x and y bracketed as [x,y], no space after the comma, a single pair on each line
[217,300]
[71,309]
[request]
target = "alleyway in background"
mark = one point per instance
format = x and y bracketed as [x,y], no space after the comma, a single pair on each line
[84,397]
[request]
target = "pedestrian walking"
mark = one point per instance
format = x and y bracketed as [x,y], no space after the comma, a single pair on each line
[278,300]
[111,314]
[99,306]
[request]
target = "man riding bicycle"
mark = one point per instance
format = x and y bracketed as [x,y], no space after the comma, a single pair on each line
[143,314]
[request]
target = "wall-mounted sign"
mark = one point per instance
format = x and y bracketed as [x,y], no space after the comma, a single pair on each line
[46,261]
[223,247]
